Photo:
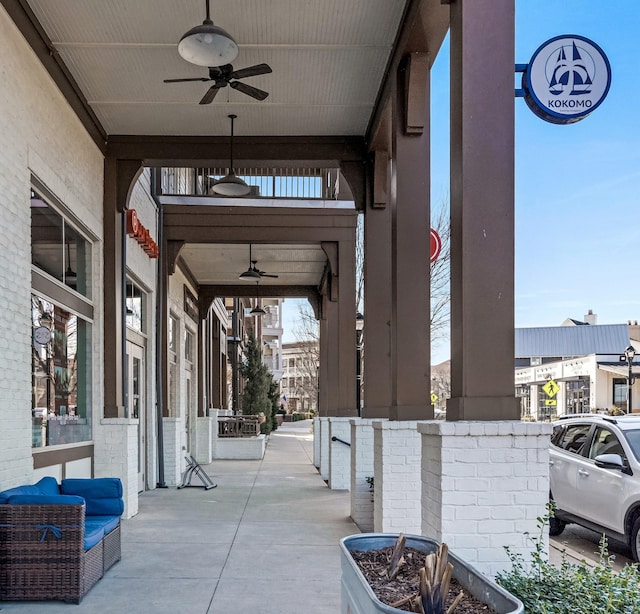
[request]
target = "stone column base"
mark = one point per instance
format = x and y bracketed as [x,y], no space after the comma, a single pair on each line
[339,453]
[361,472]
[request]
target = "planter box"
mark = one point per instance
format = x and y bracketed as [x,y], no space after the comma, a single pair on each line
[358,598]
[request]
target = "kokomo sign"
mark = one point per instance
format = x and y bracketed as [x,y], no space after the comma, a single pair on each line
[567,78]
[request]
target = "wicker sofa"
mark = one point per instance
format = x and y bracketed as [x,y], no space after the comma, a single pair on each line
[57,541]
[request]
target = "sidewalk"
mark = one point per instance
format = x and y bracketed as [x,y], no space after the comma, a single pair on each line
[265,541]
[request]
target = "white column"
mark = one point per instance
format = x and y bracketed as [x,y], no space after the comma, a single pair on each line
[361,470]
[174,462]
[324,448]
[397,483]
[116,455]
[204,443]
[316,442]
[484,485]
[339,453]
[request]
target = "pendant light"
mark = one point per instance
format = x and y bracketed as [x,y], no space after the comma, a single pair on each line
[258,311]
[70,276]
[230,185]
[208,45]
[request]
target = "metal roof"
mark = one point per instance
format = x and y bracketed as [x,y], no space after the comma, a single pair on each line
[561,341]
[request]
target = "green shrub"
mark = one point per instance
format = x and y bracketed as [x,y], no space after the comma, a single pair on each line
[572,588]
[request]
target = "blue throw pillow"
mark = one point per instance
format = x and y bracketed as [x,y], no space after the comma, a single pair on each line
[48,486]
[93,488]
[45,500]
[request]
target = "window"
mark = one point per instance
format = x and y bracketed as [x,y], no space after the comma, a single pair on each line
[620,392]
[61,375]
[605,442]
[173,326]
[136,301]
[189,344]
[574,438]
[57,248]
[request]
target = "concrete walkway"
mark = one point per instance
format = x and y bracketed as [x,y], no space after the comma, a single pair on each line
[265,541]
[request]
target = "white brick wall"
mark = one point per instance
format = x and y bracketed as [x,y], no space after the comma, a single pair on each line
[40,136]
[174,463]
[324,448]
[361,469]
[339,453]
[397,483]
[204,450]
[484,485]
[316,442]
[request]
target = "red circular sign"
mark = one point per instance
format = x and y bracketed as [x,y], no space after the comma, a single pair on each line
[436,246]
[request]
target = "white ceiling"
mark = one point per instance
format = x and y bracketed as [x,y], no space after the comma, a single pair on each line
[328,58]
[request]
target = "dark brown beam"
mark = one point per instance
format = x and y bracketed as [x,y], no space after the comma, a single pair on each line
[30,28]
[247,150]
[257,291]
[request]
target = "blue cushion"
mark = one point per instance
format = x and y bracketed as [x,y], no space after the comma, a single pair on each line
[93,533]
[93,488]
[109,523]
[18,490]
[48,486]
[102,495]
[45,500]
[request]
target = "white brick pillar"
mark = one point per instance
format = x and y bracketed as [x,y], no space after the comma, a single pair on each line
[116,455]
[204,444]
[173,453]
[339,453]
[396,474]
[361,469]
[324,448]
[316,442]
[484,485]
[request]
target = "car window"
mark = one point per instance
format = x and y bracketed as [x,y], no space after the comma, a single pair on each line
[605,442]
[633,439]
[574,438]
[556,437]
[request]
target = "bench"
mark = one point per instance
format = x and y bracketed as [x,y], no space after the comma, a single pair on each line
[57,541]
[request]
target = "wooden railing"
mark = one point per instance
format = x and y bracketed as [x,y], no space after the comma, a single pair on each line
[238,426]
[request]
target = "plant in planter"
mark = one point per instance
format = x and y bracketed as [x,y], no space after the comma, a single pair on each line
[419,574]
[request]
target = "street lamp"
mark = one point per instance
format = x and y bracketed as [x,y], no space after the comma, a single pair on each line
[359,332]
[628,356]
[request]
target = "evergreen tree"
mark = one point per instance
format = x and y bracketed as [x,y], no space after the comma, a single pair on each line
[255,398]
[274,396]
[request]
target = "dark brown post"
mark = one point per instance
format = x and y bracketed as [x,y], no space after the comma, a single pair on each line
[482,216]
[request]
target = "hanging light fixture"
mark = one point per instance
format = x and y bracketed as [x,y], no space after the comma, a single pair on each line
[208,45]
[70,276]
[258,311]
[230,185]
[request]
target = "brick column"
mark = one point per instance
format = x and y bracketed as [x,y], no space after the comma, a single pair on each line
[361,469]
[484,485]
[324,448]
[173,453]
[339,453]
[316,442]
[397,483]
[204,442]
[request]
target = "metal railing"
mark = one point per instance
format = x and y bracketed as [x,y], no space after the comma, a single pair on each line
[238,426]
[346,443]
[280,183]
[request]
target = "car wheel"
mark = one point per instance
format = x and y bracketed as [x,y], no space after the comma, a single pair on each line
[635,539]
[556,526]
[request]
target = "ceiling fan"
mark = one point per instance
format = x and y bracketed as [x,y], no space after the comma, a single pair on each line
[224,75]
[253,273]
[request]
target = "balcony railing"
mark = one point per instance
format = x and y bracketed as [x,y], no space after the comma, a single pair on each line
[238,426]
[280,183]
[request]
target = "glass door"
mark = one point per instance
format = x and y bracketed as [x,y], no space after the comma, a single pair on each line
[136,403]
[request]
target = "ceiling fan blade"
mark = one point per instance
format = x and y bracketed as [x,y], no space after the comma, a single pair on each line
[267,275]
[249,90]
[185,80]
[209,95]
[251,71]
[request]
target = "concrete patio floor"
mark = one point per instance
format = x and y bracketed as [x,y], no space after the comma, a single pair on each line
[264,541]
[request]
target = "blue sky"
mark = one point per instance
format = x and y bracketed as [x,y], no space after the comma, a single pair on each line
[577,186]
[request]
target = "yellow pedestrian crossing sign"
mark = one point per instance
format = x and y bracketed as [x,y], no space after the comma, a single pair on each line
[551,388]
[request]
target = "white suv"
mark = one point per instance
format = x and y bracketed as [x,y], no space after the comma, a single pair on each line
[594,468]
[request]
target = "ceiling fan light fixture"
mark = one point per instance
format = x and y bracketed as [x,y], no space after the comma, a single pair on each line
[249,274]
[258,311]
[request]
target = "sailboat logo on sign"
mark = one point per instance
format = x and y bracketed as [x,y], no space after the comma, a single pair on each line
[566,79]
